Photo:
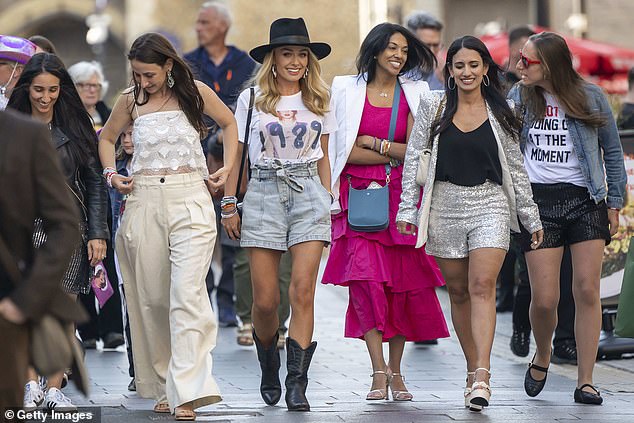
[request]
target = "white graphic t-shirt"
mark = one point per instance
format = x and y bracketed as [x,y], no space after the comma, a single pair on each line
[291,136]
[550,156]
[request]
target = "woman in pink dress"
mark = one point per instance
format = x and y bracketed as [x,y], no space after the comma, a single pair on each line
[391,284]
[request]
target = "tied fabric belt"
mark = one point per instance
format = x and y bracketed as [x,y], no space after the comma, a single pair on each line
[288,173]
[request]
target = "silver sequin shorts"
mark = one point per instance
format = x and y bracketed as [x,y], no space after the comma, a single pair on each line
[464,218]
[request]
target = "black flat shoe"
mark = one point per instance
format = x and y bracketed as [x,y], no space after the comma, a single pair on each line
[532,386]
[585,397]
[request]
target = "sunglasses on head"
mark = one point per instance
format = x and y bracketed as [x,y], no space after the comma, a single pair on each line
[526,62]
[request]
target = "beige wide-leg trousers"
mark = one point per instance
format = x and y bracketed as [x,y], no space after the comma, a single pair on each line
[164,246]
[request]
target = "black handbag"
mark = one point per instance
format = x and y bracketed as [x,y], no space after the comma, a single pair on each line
[369,209]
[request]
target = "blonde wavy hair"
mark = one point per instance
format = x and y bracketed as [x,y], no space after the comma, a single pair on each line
[315,91]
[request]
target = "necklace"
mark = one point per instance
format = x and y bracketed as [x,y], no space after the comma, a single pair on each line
[382,94]
[164,103]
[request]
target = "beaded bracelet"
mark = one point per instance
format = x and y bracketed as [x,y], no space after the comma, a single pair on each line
[108,170]
[109,179]
[224,215]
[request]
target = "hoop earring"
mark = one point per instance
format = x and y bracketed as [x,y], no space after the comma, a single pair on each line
[485,80]
[170,79]
[274,72]
[449,83]
[306,74]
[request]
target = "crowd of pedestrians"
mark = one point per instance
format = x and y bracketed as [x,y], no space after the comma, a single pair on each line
[471,168]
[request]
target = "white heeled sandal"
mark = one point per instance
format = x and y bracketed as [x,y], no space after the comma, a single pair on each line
[400,395]
[480,392]
[467,390]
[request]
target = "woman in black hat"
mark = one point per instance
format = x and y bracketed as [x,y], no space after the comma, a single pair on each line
[286,206]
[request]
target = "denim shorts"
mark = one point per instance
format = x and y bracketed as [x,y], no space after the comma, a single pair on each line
[284,206]
[569,215]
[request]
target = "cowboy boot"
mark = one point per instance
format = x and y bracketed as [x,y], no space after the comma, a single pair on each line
[269,358]
[297,363]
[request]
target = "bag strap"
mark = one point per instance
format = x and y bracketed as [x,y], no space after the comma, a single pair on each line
[395,104]
[247,131]
[438,113]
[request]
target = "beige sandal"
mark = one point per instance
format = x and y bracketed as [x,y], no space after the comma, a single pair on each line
[400,395]
[379,394]
[162,407]
[245,335]
[184,414]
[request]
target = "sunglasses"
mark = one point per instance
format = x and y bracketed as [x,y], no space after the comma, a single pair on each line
[526,62]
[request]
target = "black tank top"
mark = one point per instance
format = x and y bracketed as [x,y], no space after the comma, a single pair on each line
[468,158]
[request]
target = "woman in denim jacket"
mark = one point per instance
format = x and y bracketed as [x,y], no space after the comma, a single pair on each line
[569,137]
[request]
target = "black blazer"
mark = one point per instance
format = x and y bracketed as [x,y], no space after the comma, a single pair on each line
[30,187]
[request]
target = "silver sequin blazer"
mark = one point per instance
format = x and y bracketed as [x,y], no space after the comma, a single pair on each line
[515,181]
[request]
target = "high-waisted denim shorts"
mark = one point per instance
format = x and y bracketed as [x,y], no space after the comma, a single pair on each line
[285,205]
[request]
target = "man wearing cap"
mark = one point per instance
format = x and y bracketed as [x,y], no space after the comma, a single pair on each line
[14,53]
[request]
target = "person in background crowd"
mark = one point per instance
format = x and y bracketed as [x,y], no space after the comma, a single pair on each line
[167,235]
[108,323]
[428,29]
[287,200]
[14,53]
[626,115]
[579,195]
[46,92]
[43,44]
[92,87]
[30,188]
[476,192]
[391,285]
[124,153]
[226,70]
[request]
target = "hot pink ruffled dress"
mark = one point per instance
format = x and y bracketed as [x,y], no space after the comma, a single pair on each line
[391,284]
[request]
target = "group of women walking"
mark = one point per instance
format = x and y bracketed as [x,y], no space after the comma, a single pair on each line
[462,168]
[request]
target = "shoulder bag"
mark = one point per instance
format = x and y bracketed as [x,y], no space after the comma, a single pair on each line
[368,209]
[245,149]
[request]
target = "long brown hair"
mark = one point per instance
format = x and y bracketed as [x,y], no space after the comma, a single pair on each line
[315,94]
[153,48]
[568,85]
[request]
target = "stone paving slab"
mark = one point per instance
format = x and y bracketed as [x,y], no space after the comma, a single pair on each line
[339,380]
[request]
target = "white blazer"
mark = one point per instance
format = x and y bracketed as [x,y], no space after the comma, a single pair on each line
[347,100]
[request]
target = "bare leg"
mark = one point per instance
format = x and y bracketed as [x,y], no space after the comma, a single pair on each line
[455,272]
[374,343]
[301,292]
[543,269]
[586,263]
[484,266]
[397,345]
[266,292]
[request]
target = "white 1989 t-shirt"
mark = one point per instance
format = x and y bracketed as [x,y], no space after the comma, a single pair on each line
[291,136]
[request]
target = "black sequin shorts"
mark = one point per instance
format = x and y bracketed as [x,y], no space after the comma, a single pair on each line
[569,215]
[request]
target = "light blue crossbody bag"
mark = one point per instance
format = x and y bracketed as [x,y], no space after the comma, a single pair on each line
[369,209]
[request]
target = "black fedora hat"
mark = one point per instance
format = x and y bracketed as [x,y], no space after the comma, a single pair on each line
[289,32]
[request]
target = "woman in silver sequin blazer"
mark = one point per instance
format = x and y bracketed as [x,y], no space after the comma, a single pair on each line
[476,188]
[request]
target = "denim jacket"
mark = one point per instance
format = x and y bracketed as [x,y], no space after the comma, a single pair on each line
[598,149]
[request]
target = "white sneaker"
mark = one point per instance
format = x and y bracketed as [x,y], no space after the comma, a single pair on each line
[33,395]
[56,400]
